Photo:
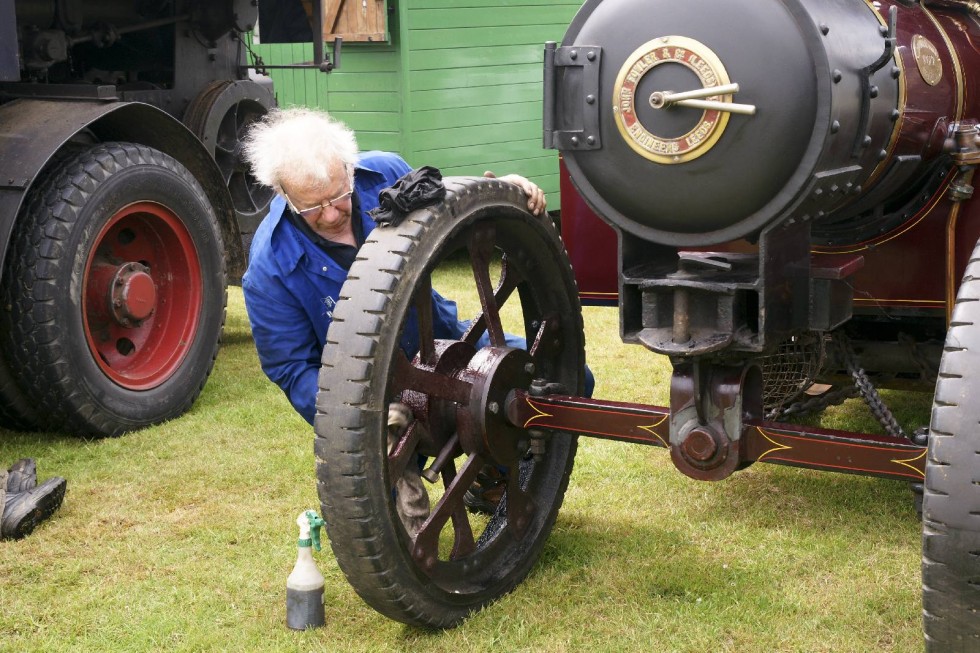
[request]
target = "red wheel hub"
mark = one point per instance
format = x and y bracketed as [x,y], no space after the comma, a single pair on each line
[134,295]
[143,296]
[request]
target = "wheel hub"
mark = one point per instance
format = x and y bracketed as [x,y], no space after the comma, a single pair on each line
[484,429]
[133,294]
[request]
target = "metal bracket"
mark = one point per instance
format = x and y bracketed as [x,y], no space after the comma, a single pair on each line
[571,97]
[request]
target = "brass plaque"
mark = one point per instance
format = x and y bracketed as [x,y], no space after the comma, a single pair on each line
[670,50]
[927,59]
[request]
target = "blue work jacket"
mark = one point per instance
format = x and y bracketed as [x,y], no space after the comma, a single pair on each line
[291,287]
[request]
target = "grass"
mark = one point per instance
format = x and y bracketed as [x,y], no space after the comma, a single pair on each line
[180,538]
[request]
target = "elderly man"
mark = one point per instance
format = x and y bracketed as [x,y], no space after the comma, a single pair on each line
[305,246]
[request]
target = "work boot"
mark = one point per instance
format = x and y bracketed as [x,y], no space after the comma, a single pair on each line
[22,476]
[485,493]
[23,511]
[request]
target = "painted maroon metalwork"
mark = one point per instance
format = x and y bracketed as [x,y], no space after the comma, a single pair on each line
[783,444]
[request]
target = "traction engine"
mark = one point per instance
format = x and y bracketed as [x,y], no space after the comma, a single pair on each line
[778,196]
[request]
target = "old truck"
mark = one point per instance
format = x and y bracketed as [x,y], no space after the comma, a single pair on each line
[777,194]
[124,205]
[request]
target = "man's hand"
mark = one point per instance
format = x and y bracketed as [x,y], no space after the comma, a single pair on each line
[536,201]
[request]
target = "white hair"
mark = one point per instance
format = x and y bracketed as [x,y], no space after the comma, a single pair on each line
[298,146]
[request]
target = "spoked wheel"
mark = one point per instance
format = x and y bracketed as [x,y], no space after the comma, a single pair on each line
[458,393]
[220,115]
[951,502]
[116,291]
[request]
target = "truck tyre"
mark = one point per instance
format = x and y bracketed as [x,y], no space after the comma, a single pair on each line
[116,289]
[16,412]
[457,562]
[951,501]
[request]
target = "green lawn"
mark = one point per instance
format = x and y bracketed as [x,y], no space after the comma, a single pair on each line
[180,538]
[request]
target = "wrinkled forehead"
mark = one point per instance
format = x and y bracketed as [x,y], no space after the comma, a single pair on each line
[313,187]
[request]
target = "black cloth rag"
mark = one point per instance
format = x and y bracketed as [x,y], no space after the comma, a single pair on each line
[413,190]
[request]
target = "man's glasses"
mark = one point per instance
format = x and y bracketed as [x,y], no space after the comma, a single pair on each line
[315,210]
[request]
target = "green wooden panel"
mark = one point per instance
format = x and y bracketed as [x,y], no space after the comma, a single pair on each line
[463,17]
[481,134]
[478,115]
[436,39]
[365,82]
[370,120]
[428,80]
[501,55]
[385,141]
[489,155]
[486,96]
[537,168]
[363,102]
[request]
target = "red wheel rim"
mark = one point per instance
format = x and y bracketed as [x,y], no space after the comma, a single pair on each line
[142,296]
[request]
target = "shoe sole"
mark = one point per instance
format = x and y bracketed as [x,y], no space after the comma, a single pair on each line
[478,505]
[48,498]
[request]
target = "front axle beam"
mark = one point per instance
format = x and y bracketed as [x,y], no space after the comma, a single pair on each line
[783,444]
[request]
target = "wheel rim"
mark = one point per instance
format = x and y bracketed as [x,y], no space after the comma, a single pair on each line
[434,566]
[142,294]
[458,395]
[220,116]
[248,195]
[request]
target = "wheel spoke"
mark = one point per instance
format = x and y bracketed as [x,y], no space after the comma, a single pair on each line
[545,345]
[423,310]
[403,451]
[481,247]
[433,384]
[510,278]
[450,506]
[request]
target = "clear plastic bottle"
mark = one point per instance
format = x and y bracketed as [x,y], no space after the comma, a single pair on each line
[304,587]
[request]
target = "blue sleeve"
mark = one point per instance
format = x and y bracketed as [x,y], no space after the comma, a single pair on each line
[287,346]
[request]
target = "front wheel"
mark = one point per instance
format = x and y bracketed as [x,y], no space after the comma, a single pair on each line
[951,501]
[116,291]
[436,573]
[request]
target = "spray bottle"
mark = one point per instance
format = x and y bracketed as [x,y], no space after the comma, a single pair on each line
[304,587]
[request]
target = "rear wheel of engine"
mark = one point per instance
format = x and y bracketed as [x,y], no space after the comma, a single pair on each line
[951,501]
[116,290]
[456,391]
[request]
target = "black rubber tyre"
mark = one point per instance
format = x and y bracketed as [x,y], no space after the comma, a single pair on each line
[951,502]
[116,292]
[16,412]
[364,370]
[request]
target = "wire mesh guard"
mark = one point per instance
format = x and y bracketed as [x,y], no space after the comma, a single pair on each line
[790,369]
